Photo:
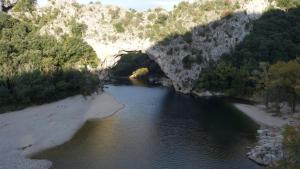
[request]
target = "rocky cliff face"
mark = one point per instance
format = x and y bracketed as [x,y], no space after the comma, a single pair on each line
[181,41]
[7,4]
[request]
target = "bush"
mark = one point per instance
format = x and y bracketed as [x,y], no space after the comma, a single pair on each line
[225,78]
[77,29]
[119,27]
[25,6]
[288,3]
[291,144]
[161,19]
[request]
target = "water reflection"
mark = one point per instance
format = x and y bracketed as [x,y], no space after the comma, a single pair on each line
[159,128]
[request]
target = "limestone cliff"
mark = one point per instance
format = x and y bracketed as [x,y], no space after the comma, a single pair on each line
[181,41]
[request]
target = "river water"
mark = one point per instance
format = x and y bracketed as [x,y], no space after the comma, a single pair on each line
[160,129]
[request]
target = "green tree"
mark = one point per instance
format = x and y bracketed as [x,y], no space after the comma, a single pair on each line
[35,69]
[226,78]
[285,78]
[291,145]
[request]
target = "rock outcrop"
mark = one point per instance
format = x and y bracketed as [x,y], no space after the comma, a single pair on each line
[269,149]
[7,4]
[181,41]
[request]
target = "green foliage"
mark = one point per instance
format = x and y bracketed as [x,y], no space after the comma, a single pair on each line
[161,19]
[25,6]
[225,78]
[119,27]
[36,69]
[291,144]
[288,3]
[47,17]
[283,79]
[77,29]
[274,37]
[38,87]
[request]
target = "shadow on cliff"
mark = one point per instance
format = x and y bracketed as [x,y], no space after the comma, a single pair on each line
[178,55]
[273,36]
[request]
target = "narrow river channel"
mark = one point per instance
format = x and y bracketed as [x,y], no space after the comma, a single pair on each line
[160,129]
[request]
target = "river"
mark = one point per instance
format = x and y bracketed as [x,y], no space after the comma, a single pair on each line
[160,129]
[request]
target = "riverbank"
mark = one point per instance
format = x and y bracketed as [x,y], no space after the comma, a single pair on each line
[269,148]
[37,128]
[259,115]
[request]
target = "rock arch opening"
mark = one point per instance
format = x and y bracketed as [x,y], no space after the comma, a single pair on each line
[138,65]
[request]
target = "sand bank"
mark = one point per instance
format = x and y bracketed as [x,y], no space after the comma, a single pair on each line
[31,130]
[259,114]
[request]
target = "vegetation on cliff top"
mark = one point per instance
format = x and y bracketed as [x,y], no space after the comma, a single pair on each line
[35,69]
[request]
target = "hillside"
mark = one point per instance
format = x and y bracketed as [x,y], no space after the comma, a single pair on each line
[35,68]
[182,41]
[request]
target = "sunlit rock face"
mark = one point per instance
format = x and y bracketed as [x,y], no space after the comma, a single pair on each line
[181,41]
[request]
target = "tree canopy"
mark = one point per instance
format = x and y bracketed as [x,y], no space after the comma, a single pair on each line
[37,68]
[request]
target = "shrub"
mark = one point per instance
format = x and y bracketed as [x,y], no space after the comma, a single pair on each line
[119,27]
[161,19]
[25,5]
[291,144]
[288,3]
[77,29]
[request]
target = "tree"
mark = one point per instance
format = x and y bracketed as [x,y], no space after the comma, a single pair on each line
[262,78]
[285,79]
[225,78]
[35,69]
[291,145]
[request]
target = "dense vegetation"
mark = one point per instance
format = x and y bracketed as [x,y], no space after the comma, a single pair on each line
[157,24]
[291,144]
[256,65]
[25,5]
[36,69]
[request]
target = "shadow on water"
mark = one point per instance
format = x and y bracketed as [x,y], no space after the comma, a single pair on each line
[162,129]
[159,128]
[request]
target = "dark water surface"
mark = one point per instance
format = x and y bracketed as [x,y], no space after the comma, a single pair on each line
[160,129]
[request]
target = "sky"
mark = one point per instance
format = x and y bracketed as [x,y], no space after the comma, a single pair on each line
[135,4]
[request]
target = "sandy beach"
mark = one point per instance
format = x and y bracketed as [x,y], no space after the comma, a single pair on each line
[258,114]
[37,128]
